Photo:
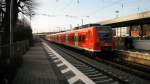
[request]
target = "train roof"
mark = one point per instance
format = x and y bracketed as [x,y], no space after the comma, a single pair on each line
[86,25]
[81,27]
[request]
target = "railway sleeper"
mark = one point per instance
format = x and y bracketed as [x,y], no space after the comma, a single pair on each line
[89,70]
[77,63]
[115,82]
[105,81]
[108,81]
[91,73]
[86,68]
[80,65]
[103,77]
[95,75]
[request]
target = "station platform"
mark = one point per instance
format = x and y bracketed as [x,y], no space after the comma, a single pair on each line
[135,55]
[144,52]
[37,68]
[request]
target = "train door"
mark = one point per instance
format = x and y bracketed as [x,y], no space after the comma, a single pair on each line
[81,39]
[105,37]
[76,39]
[89,39]
[86,43]
[66,38]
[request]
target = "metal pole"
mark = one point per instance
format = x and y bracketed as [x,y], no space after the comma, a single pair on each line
[120,32]
[142,34]
[82,21]
[11,28]
[30,20]
[70,26]
[130,28]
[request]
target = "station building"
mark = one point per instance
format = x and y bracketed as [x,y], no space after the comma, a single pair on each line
[136,26]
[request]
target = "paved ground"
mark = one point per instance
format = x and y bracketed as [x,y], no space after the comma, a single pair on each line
[37,68]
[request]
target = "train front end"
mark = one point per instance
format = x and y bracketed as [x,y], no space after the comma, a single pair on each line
[104,39]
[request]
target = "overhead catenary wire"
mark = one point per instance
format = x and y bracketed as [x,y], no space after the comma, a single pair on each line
[104,7]
[124,5]
[67,5]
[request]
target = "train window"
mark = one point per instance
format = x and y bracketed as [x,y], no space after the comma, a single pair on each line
[105,33]
[71,38]
[57,38]
[54,38]
[82,38]
[63,38]
[68,38]
[106,36]
[79,38]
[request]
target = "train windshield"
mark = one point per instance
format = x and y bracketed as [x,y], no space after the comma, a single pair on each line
[105,33]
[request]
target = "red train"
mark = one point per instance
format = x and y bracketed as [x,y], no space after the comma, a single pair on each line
[93,38]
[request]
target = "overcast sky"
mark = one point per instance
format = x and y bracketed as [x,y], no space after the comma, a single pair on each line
[55,15]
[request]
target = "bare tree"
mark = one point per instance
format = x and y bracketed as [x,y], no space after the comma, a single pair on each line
[16,6]
[25,7]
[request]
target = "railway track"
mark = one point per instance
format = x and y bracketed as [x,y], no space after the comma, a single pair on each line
[129,67]
[132,68]
[98,72]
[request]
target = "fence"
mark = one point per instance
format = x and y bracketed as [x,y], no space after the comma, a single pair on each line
[9,61]
[11,53]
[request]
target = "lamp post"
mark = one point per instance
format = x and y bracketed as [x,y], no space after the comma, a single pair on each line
[117,13]
[82,20]
[118,35]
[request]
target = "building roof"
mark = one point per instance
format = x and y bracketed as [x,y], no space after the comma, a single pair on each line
[134,19]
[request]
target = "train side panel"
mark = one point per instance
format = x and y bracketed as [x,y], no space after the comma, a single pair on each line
[89,39]
[71,39]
